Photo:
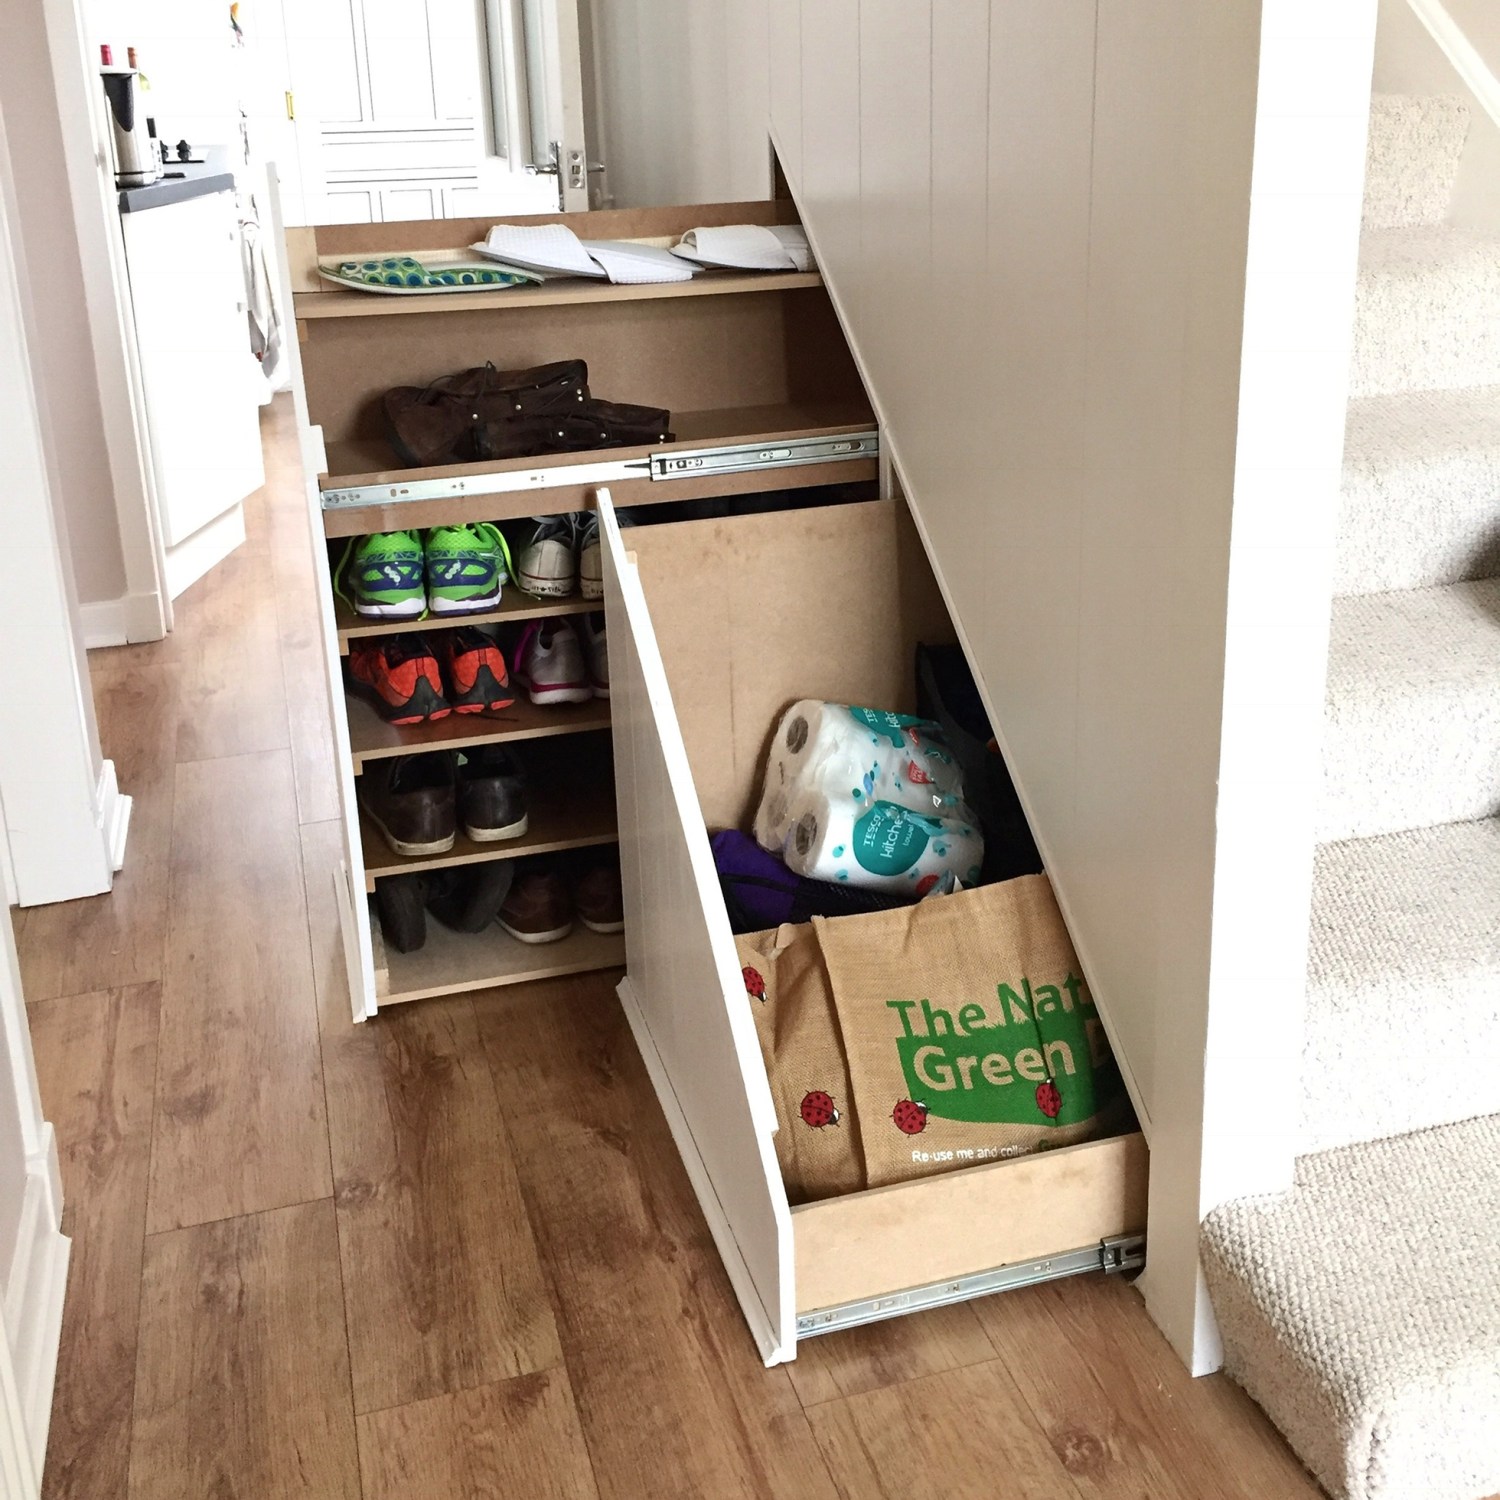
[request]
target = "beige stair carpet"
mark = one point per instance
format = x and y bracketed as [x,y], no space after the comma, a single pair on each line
[1421,491]
[1403,984]
[1362,1311]
[1412,729]
[1414,150]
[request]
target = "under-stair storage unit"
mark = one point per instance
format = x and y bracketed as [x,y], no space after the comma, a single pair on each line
[763,395]
[715,626]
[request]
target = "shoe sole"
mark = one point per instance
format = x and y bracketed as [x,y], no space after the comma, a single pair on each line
[542,697]
[441,606]
[392,715]
[410,851]
[603,926]
[407,609]
[601,692]
[556,935]
[486,696]
[546,588]
[495,835]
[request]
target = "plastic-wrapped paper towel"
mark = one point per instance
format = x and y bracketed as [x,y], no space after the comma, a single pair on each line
[862,754]
[878,844]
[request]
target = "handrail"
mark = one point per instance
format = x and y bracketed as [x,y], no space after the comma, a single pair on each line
[1478,76]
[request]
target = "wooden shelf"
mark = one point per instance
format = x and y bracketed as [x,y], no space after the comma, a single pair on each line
[366,461]
[572,811]
[450,962]
[348,303]
[371,738]
[514,605]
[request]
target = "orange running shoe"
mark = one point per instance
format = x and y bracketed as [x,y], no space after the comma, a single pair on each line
[473,671]
[399,675]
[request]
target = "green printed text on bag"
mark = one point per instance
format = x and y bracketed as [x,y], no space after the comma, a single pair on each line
[985,1062]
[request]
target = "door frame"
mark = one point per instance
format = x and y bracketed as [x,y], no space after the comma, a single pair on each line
[146,609]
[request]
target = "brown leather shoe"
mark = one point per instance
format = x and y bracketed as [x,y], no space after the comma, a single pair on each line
[409,798]
[537,910]
[598,899]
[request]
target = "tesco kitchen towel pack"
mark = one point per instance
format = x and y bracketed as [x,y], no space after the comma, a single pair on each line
[879,845]
[862,754]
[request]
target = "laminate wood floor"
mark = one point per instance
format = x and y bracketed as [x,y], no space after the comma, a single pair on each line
[451,1253]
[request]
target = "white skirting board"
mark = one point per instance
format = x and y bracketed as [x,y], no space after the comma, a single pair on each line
[122,621]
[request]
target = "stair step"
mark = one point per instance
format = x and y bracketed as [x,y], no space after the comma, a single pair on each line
[1362,1311]
[1427,311]
[1402,1026]
[1421,492]
[1415,146]
[1412,726]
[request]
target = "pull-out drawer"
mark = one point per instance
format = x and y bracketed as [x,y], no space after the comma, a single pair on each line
[714,627]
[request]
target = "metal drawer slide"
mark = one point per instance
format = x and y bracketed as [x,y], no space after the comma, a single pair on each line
[1112,1256]
[727,458]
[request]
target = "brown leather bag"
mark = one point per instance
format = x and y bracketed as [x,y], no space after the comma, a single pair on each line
[445,422]
[591,424]
[485,413]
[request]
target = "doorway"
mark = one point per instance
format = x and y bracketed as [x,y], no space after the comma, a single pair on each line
[416,109]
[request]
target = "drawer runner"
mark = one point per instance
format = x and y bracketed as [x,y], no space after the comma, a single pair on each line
[723,458]
[1125,1253]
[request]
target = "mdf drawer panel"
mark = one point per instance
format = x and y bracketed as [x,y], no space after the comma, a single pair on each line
[715,627]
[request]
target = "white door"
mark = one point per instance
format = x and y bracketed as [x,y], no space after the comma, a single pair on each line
[413,109]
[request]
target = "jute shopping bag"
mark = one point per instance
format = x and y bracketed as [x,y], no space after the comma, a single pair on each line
[969,1032]
[817,1146]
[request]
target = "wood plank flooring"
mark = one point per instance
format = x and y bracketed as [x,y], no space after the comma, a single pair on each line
[451,1253]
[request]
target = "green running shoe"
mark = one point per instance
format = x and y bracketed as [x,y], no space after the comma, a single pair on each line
[466,566]
[383,572]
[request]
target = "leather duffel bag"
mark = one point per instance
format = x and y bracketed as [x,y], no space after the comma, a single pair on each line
[458,418]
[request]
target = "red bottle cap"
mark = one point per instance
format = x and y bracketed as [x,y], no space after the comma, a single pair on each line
[106,57]
[130,56]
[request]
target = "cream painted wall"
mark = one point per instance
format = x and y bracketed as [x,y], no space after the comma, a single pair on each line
[68,385]
[1097,261]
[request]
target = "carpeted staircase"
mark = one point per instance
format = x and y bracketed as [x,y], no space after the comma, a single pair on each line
[1362,1310]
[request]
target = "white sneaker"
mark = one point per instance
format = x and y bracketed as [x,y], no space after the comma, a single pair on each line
[550,664]
[596,649]
[547,565]
[590,560]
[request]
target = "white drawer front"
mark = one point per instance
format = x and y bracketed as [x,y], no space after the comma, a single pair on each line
[683,991]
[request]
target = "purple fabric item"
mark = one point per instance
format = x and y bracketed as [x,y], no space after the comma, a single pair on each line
[760,892]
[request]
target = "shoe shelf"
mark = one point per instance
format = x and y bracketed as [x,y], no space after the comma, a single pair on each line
[370,737]
[450,962]
[514,605]
[575,814]
[764,395]
[343,302]
[515,488]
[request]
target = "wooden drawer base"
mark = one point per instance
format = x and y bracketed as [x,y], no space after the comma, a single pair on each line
[883,1243]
